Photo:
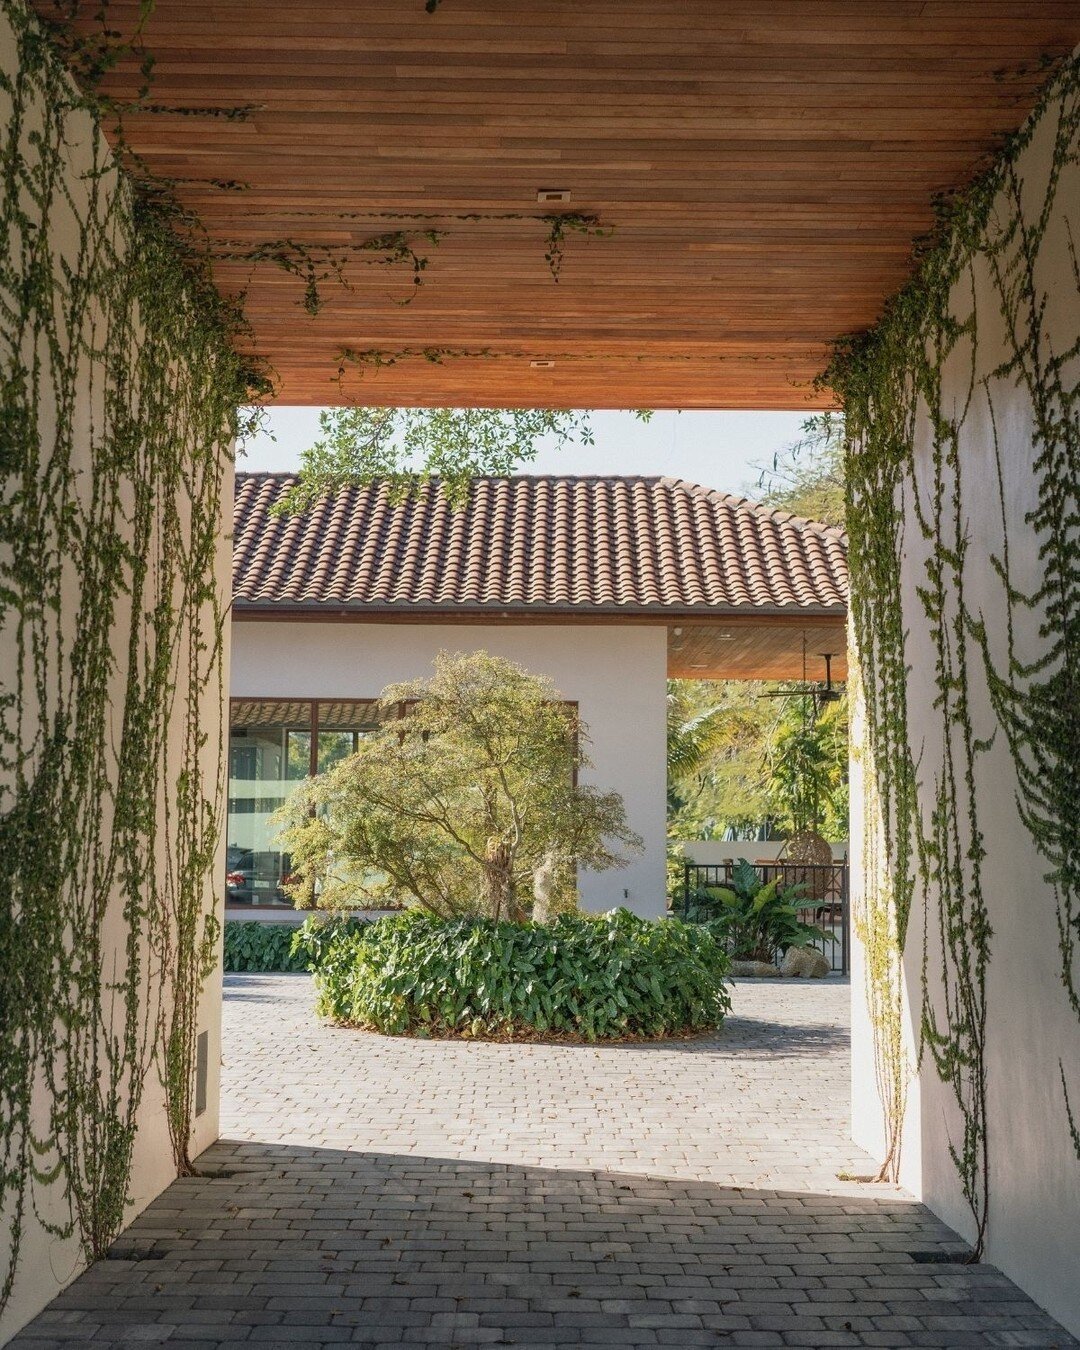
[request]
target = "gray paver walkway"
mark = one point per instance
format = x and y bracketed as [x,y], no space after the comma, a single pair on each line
[392,1193]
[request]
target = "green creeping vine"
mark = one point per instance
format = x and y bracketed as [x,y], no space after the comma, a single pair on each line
[886,896]
[242,112]
[316,264]
[890,382]
[1037,701]
[397,244]
[118,402]
[562,223]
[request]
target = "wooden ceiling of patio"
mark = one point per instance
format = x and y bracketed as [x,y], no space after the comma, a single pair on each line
[764,168]
[765,648]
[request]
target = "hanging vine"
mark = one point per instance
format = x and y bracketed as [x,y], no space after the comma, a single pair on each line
[1037,698]
[875,923]
[119,391]
[315,264]
[559,225]
[562,223]
[902,500]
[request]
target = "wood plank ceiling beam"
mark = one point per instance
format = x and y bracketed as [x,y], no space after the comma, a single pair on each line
[764,169]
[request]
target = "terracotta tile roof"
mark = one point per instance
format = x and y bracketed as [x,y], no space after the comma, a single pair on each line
[550,544]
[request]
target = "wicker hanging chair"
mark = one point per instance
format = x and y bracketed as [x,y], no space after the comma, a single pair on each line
[808,847]
[809,858]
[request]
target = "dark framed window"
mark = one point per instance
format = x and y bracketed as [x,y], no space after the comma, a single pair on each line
[273,745]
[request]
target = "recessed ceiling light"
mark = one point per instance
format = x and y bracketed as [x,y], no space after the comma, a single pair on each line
[542,365]
[551,196]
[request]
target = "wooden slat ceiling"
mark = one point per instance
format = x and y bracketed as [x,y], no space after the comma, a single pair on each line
[765,168]
[757,649]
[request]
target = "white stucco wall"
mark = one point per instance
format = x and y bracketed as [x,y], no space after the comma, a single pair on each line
[867,1117]
[46,1261]
[1034,1210]
[616,674]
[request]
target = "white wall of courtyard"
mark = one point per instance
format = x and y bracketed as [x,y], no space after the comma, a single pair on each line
[615,673]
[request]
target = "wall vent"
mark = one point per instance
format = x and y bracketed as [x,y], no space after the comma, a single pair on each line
[202,1067]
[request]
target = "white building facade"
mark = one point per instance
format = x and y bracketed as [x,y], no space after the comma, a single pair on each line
[605,586]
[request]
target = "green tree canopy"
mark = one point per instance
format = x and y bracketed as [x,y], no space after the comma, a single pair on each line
[807,478]
[717,762]
[739,762]
[407,447]
[458,804]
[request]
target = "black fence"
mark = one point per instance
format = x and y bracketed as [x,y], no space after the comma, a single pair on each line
[823,898]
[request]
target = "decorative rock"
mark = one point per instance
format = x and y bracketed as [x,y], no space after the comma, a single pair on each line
[805,962]
[757,969]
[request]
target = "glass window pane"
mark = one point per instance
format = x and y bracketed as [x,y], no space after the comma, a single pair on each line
[298,754]
[334,746]
[341,724]
[269,752]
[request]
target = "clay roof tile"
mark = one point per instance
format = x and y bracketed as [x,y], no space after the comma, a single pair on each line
[555,544]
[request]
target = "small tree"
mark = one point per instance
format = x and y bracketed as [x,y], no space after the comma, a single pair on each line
[459,802]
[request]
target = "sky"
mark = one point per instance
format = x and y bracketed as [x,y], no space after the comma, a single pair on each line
[716,449]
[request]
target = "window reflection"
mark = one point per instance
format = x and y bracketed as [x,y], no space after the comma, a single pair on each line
[341,725]
[271,750]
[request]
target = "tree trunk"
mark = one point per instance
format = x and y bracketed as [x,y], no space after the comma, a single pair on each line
[544,883]
[499,880]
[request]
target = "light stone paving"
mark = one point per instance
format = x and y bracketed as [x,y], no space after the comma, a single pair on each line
[394,1193]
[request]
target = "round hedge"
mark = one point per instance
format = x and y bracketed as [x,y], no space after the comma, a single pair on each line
[590,977]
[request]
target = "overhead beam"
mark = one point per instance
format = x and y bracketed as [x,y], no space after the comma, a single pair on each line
[764,170]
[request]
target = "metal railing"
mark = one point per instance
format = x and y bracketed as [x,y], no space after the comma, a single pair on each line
[823,899]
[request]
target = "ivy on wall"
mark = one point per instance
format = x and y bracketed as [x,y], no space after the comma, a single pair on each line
[119,392]
[893,388]
[1037,696]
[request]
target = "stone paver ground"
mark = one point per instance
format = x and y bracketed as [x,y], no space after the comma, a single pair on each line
[393,1193]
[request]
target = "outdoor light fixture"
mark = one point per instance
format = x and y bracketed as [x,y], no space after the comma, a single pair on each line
[553,196]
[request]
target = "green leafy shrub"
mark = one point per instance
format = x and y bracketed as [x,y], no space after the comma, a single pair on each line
[750,918]
[590,977]
[318,933]
[264,947]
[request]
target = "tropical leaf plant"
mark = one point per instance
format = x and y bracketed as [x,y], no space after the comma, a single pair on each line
[266,947]
[754,919]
